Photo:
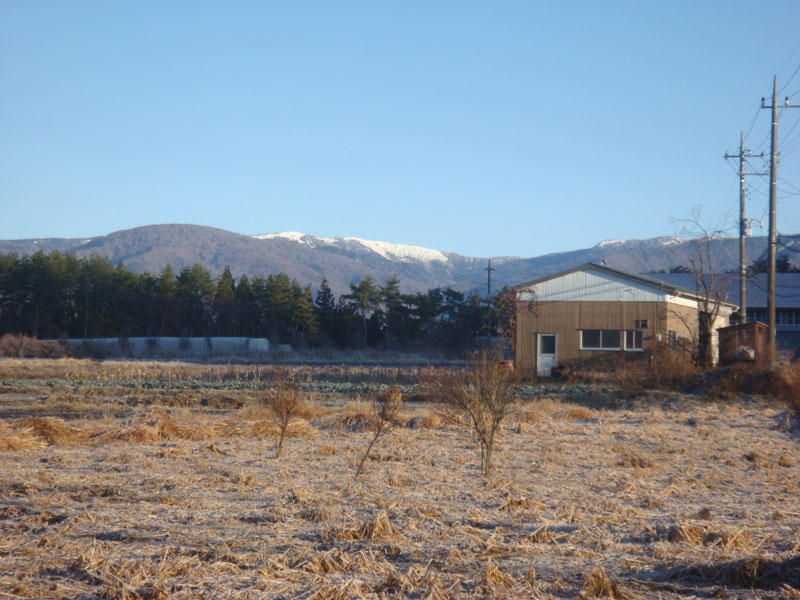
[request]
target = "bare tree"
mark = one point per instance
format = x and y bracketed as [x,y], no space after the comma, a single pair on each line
[478,397]
[283,402]
[711,285]
[384,408]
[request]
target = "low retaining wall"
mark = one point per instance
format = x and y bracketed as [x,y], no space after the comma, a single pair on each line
[182,347]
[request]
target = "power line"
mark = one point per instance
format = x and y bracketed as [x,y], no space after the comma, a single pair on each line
[789,184]
[788,135]
[786,62]
[753,122]
[787,152]
[785,85]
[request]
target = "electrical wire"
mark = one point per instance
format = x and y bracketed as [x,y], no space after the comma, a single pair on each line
[791,55]
[788,151]
[752,123]
[789,184]
[785,85]
[766,137]
[788,135]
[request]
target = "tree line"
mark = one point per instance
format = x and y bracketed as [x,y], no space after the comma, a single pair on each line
[58,295]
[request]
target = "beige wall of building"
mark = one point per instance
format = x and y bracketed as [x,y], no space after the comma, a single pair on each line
[567,319]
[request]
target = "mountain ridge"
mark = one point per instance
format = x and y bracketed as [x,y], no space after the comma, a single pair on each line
[343,260]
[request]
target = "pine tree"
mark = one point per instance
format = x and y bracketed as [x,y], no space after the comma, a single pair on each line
[225,303]
[365,299]
[246,314]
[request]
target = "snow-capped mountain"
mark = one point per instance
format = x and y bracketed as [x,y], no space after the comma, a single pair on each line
[387,250]
[343,260]
[664,240]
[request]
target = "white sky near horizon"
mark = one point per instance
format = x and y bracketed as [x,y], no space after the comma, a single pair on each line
[487,129]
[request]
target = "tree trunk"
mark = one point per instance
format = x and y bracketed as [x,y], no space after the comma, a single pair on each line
[487,459]
[705,348]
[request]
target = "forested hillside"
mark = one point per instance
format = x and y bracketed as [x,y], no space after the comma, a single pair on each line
[58,295]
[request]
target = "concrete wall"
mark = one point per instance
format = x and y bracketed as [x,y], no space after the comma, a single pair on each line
[175,347]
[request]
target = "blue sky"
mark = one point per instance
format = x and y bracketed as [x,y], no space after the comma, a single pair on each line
[503,128]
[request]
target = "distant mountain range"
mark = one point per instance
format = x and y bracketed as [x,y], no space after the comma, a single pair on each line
[309,258]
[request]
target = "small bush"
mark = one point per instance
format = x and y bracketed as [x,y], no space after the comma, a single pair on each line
[385,411]
[782,383]
[479,397]
[283,402]
[22,346]
[661,369]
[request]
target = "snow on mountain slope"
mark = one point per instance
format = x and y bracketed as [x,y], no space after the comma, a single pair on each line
[387,250]
[664,240]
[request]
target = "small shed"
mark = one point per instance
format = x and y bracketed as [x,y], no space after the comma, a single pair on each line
[744,342]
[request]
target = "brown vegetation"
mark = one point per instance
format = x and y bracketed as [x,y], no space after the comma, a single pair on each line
[283,402]
[22,346]
[126,494]
[385,409]
[479,396]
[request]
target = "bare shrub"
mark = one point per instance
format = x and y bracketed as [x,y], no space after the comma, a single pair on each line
[663,369]
[283,402]
[385,409]
[22,346]
[782,383]
[479,396]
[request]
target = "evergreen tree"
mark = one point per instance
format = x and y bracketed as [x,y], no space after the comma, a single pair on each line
[195,293]
[302,318]
[278,307]
[167,301]
[395,311]
[325,309]
[247,313]
[225,303]
[364,298]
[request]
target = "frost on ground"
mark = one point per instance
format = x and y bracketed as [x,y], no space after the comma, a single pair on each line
[691,499]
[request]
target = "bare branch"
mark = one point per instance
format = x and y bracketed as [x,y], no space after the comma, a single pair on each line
[478,397]
[385,408]
[283,401]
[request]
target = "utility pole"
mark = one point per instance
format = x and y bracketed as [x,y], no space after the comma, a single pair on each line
[773,185]
[489,270]
[744,223]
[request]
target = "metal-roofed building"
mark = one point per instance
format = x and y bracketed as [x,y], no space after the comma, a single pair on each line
[787,301]
[594,311]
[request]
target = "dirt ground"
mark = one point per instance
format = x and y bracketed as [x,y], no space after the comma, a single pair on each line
[115,491]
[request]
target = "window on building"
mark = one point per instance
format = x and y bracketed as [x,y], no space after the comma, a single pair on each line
[756,314]
[640,323]
[634,340]
[601,339]
[672,338]
[787,317]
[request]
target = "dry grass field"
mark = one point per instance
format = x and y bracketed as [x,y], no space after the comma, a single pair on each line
[158,480]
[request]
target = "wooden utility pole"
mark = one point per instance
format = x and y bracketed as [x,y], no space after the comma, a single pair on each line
[773,179]
[489,270]
[744,223]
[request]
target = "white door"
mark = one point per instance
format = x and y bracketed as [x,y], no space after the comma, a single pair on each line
[546,347]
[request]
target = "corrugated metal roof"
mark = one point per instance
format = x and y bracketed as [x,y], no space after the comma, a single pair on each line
[645,279]
[596,285]
[787,287]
